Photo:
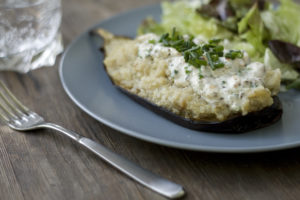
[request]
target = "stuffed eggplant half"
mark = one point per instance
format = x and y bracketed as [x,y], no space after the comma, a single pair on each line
[197,84]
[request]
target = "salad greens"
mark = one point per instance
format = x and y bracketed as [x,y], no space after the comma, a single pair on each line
[253,28]
[284,22]
[288,74]
[186,20]
[241,24]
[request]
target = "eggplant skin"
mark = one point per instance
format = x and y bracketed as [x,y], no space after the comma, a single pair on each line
[236,124]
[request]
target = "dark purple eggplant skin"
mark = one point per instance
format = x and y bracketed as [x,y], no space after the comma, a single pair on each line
[238,124]
[286,52]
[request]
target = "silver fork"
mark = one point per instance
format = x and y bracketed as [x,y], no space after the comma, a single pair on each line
[18,117]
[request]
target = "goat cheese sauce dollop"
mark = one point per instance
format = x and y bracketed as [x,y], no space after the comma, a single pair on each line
[231,84]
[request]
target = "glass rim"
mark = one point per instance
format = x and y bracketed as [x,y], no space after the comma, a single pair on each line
[11,6]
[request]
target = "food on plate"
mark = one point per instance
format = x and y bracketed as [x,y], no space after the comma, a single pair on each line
[197,84]
[248,25]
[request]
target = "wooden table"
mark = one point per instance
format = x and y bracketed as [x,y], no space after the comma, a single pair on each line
[42,165]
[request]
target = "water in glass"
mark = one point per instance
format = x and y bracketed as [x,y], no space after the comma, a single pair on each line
[29,33]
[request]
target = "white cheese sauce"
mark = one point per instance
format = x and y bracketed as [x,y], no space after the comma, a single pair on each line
[230,84]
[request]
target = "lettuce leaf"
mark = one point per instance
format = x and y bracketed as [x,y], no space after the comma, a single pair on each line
[150,26]
[186,20]
[284,22]
[254,29]
[288,74]
[252,18]
[241,7]
[294,85]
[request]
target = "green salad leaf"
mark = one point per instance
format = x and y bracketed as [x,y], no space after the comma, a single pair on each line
[150,26]
[288,74]
[284,22]
[254,28]
[186,20]
[252,19]
[241,7]
[294,85]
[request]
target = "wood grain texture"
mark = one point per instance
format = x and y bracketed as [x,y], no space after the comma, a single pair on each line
[43,165]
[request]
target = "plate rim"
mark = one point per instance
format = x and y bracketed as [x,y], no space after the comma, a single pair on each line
[177,145]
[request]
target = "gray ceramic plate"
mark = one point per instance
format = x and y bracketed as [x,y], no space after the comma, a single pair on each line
[85,81]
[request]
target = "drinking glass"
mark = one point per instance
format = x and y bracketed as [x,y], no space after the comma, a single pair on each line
[29,34]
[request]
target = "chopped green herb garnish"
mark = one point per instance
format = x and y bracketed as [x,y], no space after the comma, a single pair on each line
[152,41]
[187,71]
[209,60]
[233,54]
[215,41]
[218,64]
[197,55]
[219,48]
[175,71]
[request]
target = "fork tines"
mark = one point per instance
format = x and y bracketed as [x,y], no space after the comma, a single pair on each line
[10,106]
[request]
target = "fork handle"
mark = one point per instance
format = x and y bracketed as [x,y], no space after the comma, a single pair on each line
[139,174]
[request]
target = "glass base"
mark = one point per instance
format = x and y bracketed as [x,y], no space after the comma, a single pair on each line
[30,60]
